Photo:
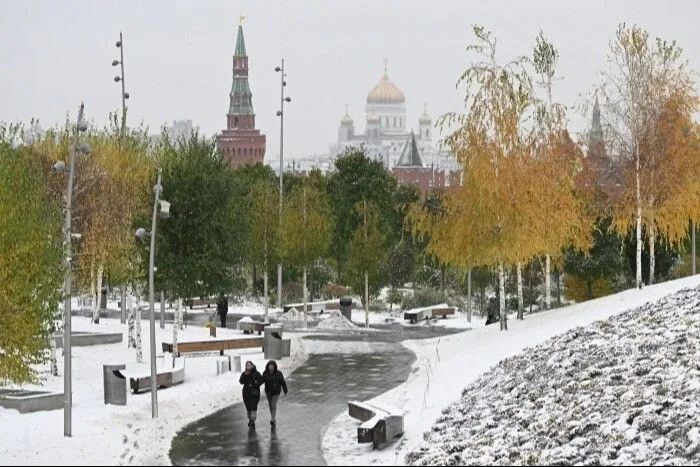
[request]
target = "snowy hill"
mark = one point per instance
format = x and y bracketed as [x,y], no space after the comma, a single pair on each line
[623,391]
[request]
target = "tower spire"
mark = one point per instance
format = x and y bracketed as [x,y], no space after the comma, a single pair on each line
[240,40]
[596,133]
[386,67]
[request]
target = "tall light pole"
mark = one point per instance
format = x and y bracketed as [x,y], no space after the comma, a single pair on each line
[60,166]
[280,114]
[143,234]
[125,95]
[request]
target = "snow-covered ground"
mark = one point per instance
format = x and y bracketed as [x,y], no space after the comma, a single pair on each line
[446,365]
[457,321]
[625,391]
[111,435]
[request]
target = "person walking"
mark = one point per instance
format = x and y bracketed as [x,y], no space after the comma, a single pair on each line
[274,382]
[251,381]
[222,309]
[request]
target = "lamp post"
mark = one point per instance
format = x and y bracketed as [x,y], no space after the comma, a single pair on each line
[142,234]
[60,166]
[280,114]
[125,95]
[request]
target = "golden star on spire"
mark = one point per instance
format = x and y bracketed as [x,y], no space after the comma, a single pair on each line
[241,19]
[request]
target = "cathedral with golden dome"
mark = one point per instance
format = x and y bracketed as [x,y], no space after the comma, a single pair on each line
[387,135]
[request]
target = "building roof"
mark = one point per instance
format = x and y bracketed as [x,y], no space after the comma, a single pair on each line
[411,155]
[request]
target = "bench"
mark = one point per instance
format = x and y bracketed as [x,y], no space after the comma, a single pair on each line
[379,426]
[191,303]
[251,326]
[443,311]
[214,344]
[164,379]
[417,315]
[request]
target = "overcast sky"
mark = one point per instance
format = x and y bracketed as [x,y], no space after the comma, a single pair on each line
[178,55]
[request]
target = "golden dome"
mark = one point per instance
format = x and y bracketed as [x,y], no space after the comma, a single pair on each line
[425,118]
[385,92]
[347,119]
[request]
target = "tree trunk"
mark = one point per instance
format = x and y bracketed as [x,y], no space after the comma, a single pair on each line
[531,286]
[639,220]
[558,273]
[266,300]
[548,282]
[519,272]
[123,307]
[176,326]
[306,313]
[98,294]
[502,298]
[131,320]
[442,280]
[652,257]
[52,354]
[589,287]
[469,295]
[162,309]
[366,300]
[139,351]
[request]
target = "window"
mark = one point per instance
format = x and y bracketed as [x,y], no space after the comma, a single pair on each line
[394,122]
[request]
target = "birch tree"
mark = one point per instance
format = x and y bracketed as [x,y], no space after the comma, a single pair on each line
[643,74]
[306,232]
[264,225]
[487,217]
[366,254]
[30,261]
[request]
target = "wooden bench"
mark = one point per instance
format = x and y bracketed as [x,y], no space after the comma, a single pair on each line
[252,326]
[164,379]
[191,303]
[417,315]
[214,344]
[444,311]
[379,425]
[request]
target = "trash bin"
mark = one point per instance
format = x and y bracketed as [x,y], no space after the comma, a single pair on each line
[115,384]
[273,342]
[346,307]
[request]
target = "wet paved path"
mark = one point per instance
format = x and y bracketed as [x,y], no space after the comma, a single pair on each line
[339,369]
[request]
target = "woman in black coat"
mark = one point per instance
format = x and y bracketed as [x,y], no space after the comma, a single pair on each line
[274,382]
[251,381]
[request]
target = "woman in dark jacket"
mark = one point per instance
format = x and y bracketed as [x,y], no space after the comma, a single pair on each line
[273,379]
[251,381]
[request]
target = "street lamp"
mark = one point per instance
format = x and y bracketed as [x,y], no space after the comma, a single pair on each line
[60,166]
[280,114]
[144,234]
[125,95]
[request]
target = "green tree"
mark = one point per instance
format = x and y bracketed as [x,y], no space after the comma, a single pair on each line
[358,178]
[603,262]
[30,261]
[201,248]
[306,231]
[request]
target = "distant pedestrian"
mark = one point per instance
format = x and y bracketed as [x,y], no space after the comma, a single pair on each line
[222,309]
[274,382]
[251,381]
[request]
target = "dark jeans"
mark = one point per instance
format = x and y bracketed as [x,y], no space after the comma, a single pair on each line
[251,404]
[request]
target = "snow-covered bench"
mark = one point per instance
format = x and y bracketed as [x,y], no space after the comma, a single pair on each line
[379,425]
[418,314]
[164,379]
[200,302]
[211,345]
[248,325]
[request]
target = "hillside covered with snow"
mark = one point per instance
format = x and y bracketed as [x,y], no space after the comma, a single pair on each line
[623,391]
